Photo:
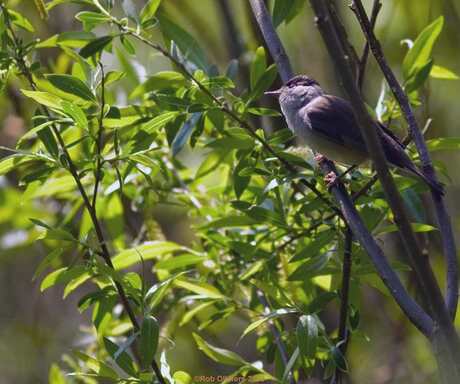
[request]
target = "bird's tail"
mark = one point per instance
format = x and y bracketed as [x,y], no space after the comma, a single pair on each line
[434,185]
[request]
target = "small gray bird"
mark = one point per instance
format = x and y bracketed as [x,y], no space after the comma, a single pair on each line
[327,125]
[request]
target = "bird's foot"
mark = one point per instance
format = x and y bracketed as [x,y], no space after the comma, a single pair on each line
[331,179]
[319,158]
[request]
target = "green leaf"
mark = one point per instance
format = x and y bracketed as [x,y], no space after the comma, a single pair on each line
[20,21]
[290,364]
[8,163]
[44,98]
[192,312]
[61,276]
[92,18]
[219,355]
[71,84]
[159,81]
[264,112]
[307,332]
[148,342]
[258,66]
[420,53]
[315,244]
[187,44]
[122,358]
[312,267]
[439,72]
[230,221]
[47,261]
[273,315]
[156,293]
[70,39]
[184,133]
[96,366]
[159,121]
[265,81]
[418,77]
[180,262]
[55,375]
[281,10]
[264,215]
[149,10]
[416,227]
[339,359]
[218,82]
[181,377]
[113,76]
[76,113]
[200,288]
[95,46]
[35,130]
[148,251]
[444,144]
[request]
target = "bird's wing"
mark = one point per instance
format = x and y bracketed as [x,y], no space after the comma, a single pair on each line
[333,118]
[390,133]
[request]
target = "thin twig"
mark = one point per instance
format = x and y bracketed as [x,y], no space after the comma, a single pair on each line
[100,132]
[444,221]
[376,7]
[344,297]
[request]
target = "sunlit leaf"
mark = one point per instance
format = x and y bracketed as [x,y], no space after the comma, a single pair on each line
[149,10]
[307,332]
[439,72]
[273,315]
[71,84]
[420,53]
[219,355]
[146,251]
[203,289]
[95,46]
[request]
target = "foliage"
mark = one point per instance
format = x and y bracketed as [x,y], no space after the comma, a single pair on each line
[264,246]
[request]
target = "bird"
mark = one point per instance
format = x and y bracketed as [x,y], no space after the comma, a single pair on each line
[327,125]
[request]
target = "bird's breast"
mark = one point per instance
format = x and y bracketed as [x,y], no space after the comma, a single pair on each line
[317,142]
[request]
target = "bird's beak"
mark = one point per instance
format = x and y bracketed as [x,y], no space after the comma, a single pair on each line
[275,93]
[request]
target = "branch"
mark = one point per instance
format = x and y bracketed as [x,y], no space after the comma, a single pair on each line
[412,310]
[376,7]
[344,297]
[272,39]
[100,132]
[444,221]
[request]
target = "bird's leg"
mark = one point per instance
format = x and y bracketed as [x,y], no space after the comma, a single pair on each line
[331,179]
[319,158]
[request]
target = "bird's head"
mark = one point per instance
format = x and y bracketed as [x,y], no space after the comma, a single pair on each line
[297,92]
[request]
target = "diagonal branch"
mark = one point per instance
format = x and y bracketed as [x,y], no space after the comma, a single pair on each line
[412,310]
[444,221]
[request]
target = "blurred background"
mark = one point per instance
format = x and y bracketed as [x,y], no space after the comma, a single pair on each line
[37,329]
